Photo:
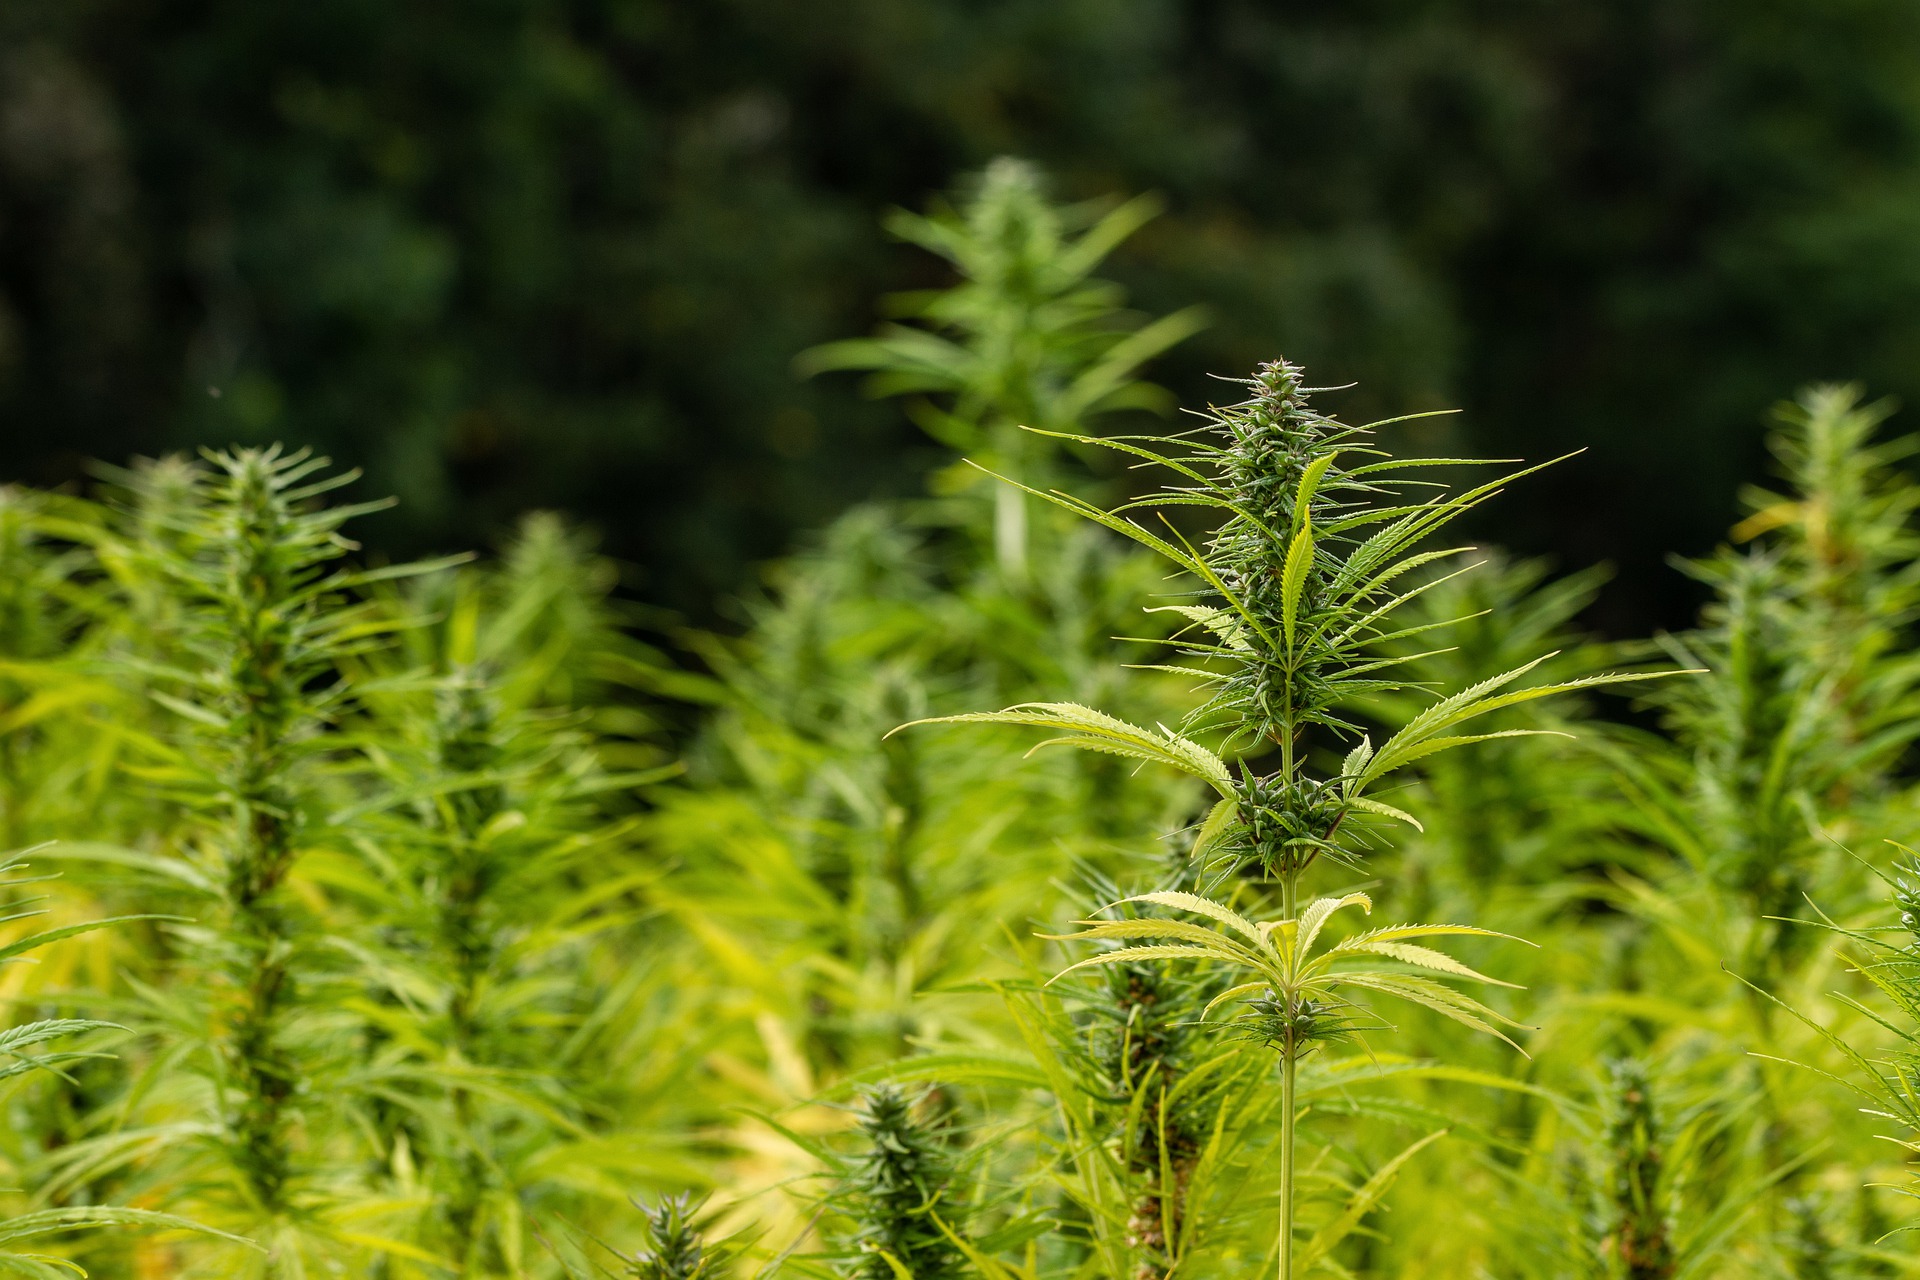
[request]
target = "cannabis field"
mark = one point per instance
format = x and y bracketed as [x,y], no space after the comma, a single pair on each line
[1179,844]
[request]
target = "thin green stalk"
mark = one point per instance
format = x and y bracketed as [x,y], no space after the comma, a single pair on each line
[1289,1069]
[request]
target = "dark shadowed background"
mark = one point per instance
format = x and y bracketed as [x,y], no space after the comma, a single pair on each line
[528,253]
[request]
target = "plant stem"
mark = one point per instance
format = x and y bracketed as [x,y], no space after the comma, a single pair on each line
[1289,1064]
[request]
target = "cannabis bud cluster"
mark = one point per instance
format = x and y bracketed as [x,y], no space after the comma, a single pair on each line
[1284,824]
[675,1250]
[900,1187]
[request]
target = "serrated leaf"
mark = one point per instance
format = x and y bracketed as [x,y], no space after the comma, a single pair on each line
[1178,930]
[1319,911]
[1220,819]
[1205,907]
[1112,734]
[47,1221]
[1386,811]
[1357,758]
[1130,954]
[1309,484]
[1443,1000]
[1425,958]
[1293,581]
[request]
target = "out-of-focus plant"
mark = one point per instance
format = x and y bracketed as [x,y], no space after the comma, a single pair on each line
[902,1193]
[496,883]
[1639,1185]
[50,605]
[1813,693]
[266,620]
[1883,1070]
[1030,338]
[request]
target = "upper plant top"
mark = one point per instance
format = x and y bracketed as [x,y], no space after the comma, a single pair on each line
[1027,337]
[1318,544]
[1030,335]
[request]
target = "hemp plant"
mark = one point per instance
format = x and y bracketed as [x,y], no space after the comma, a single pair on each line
[1029,337]
[49,609]
[268,615]
[677,1247]
[1646,1178]
[494,873]
[1795,737]
[1293,600]
[900,1193]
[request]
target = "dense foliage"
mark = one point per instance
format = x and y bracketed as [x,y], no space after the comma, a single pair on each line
[452,918]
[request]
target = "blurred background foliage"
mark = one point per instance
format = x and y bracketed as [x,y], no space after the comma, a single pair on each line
[561,253]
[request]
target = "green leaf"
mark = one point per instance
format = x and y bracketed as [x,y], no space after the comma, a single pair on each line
[1170,930]
[1128,955]
[1357,758]
[1479,700]
[1386,811]
[1221,622]
[1425,958]
[1205,907]
[988,1267]
[1234,993]
[1318,912]
[1293,579]
[1220,820]
[1445,1001]
[947,1068]
[1309,483]
[1395,932]
[37,940]
[49,1221]
[1097,730]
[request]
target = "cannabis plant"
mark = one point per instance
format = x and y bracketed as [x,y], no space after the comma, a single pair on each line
[485,918]
[676,1248]
[1812,691]
[1029,339]
[50,610]
[1643,1181]
[1154,1065]
[902,1193]
[253,680]
[1293,593]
